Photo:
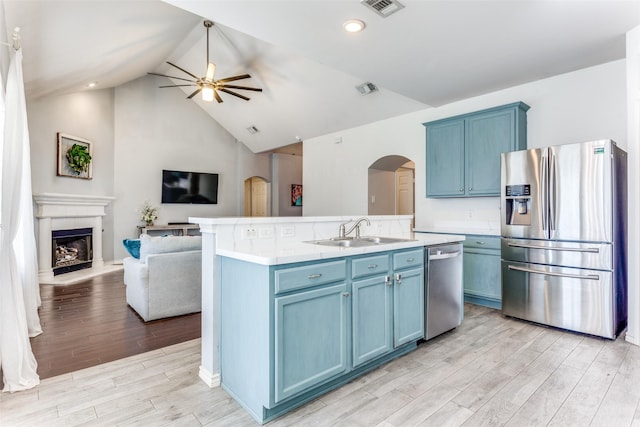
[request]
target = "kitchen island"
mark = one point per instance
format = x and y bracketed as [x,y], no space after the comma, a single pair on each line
[297,319]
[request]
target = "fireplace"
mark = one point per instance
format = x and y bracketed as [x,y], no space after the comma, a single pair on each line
[72,250]
[59,213]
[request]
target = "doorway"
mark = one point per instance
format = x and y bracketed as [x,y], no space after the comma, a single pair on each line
[256,196]
[391,186]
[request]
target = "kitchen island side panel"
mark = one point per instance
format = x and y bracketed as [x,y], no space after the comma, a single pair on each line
[245,332]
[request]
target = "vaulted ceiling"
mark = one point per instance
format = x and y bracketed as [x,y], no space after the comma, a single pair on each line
[427,54]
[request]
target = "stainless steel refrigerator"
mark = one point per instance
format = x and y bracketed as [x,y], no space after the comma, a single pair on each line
[564,236]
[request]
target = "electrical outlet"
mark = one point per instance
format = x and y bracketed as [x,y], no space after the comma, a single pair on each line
[288,231]
[265,232]
[249,233]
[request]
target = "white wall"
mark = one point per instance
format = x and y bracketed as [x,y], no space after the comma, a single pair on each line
[633,146]
[87,115]
[582,105]
[159,129]
[287,170]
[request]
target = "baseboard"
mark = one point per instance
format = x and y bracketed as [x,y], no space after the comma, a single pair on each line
[212,380]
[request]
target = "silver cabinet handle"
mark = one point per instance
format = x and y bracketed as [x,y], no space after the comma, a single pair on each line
[444,256]
[388,281]
[470,188]
[398,278]
[461,189]
[314,276]
[480,243]
[549,273]
[410,260]
[345,294]
[549,248]
[372,266]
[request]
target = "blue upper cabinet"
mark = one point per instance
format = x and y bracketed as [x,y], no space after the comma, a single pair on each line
[445,159]
[463,152]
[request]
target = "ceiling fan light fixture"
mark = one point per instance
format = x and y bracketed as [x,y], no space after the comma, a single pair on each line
[208,85]
[207,93]
[353,25]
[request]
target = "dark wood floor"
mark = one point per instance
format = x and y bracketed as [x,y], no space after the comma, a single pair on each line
[90,323]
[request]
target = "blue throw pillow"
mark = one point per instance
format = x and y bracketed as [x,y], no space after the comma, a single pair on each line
[133,247]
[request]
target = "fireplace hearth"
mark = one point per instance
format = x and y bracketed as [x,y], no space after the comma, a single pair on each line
[72,250]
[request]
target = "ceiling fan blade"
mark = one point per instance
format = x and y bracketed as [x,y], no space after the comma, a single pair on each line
[179,85]
[217,97]
[230,79]
[255,89]
[171,77]
[233,93]
[211,69]
[197,91]
[183,70]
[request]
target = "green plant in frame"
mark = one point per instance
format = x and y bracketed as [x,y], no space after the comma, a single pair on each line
[79,158]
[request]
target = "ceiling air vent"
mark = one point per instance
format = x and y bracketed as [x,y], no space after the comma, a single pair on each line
[383,8]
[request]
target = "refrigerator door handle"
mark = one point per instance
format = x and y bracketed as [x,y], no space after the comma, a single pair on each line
[544,188]
[549,273]
[552,191]
[548,248]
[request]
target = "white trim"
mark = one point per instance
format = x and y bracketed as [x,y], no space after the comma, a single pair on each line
[212,380]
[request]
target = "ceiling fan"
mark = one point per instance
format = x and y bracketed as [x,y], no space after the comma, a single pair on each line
[207,85]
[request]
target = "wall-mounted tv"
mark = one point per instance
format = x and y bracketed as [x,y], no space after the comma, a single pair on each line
[189,187]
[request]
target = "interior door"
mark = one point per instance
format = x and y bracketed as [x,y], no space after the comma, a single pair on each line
[405,192]
[520,168]
[580,192]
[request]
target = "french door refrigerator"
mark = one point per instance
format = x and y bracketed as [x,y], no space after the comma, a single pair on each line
[564,245]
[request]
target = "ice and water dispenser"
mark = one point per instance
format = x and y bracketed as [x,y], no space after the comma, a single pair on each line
[518,204]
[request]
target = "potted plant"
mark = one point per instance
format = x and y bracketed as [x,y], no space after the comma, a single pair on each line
[149,213]
[79,158]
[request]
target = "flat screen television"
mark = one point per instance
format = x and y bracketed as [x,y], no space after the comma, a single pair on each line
[189,187]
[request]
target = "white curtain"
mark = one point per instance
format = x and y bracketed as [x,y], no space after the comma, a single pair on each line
[19,291]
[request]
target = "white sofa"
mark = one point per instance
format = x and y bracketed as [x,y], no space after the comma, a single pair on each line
[166,280]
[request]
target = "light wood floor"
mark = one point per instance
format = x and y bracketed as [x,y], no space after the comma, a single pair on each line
[490,371]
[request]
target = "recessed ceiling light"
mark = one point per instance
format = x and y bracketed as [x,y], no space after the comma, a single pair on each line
[353,25]
[92,84]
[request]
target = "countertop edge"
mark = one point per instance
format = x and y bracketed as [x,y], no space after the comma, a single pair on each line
[302,251]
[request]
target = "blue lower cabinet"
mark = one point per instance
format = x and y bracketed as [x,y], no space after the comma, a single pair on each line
[310,339]
[408,301]
[290,333]
[482,274]
[371,317]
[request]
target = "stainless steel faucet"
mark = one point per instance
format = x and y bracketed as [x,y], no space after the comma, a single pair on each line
[343,232]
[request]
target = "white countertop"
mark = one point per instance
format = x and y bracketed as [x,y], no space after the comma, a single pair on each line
[286,253]
[485,231]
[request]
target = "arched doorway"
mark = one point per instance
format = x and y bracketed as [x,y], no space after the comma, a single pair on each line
[391,186]
[256,196]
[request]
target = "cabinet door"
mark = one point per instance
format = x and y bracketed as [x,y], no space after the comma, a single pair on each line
[371,316]
[408,306]
[487,135]
[482,276]
[310,338]
[445,159]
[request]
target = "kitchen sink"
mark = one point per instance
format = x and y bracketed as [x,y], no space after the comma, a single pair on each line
[351,242]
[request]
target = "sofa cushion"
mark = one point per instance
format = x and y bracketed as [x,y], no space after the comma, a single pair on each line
[163,244]
[133,247]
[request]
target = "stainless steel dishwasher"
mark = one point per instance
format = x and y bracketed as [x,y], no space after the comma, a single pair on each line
[443,292]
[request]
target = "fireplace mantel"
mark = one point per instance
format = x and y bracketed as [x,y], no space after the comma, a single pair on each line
[55,211]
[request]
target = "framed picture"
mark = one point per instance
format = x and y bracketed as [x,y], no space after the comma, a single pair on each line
[75,157]
[296,195]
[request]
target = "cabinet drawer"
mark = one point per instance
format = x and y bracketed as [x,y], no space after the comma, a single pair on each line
[289,279]
[361,267]
[412,258]
[481,242]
